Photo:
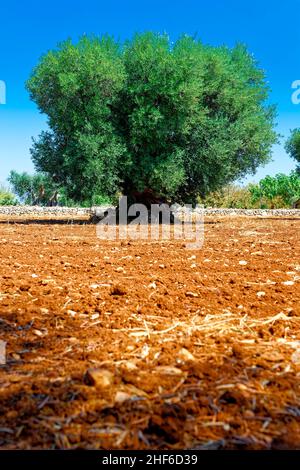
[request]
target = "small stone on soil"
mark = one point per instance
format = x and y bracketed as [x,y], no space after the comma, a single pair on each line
[101,378]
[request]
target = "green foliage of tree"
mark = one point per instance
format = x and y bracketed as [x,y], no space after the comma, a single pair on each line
[293,146]
[280,190]
[6,197]
[76,86]
[181,120]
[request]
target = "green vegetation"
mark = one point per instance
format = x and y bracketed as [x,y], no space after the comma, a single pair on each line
[180,120]
[278,191]
[6,197]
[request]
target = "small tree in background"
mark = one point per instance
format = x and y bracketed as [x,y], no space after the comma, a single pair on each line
[177,120]
[32,189]
[293,146]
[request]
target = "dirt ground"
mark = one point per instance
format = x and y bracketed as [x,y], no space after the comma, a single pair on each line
[147,345]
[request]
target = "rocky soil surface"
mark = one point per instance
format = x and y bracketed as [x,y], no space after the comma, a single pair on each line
[143,344]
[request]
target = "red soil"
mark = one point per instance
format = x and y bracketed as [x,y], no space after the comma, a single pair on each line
[195,349]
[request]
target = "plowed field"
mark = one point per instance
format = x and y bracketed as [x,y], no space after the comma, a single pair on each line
[147,345]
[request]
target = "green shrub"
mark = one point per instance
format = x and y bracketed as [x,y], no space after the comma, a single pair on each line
[6,197]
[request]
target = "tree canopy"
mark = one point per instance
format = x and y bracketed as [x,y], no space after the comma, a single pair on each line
[32,189]
[293,146]
[180,119]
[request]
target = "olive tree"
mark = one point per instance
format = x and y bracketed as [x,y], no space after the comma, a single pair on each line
[179,120]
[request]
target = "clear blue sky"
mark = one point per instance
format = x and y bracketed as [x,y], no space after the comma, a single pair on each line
[28,29]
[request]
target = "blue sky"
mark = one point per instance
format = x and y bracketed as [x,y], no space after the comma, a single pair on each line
[270,29]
